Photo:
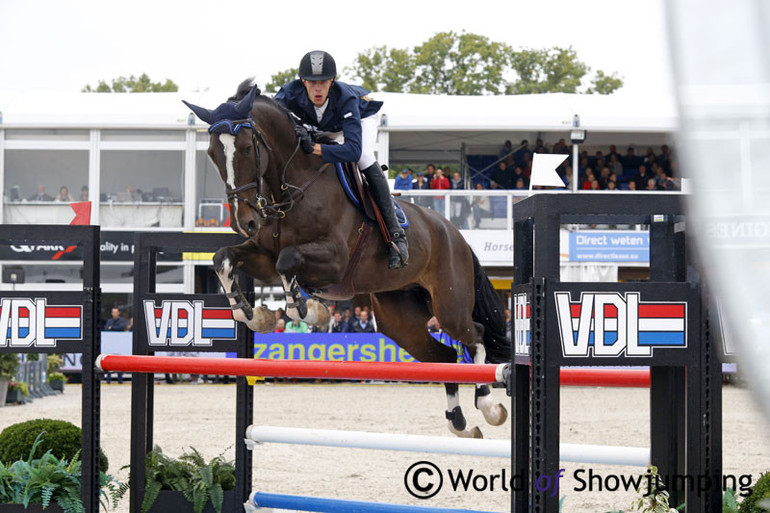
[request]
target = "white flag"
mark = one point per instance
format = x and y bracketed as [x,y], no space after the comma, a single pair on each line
[544,170]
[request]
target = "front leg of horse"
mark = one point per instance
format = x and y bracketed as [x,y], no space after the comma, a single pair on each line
[261,319]
[316,263]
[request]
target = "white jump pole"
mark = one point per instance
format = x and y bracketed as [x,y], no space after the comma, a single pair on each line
[604,454]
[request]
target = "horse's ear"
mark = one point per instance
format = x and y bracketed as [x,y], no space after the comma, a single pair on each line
[244,106]
[204,114]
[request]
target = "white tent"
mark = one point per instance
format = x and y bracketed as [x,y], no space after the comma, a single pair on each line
[419,127]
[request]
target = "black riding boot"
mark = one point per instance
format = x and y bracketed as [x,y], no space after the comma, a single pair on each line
[398,250]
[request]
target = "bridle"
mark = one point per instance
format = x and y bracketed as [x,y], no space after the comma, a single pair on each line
[265,206]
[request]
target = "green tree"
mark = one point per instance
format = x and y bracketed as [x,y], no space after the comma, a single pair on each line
[471,64]
[383,69]
[281,78]
[132,84]
[605,84]
[554,70]
[464,64]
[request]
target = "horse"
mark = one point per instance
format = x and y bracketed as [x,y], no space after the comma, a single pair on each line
[303,232]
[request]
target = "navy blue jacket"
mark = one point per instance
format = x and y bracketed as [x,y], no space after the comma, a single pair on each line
[347,106]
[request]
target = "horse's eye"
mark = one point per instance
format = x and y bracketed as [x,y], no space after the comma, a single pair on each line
[246,151]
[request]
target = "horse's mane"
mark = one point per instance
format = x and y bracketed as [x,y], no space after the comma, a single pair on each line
[245,87]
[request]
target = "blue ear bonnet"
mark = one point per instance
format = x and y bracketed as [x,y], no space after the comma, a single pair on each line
[226,111]
[227,126]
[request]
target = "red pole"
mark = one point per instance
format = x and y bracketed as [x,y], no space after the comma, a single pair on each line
[390,371]
[605,377]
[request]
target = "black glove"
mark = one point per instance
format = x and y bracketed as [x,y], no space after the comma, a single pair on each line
[305,140]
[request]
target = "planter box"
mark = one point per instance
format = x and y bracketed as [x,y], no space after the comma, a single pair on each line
[174,502]
[57,385]
[3,390]
[14,397]
[33,508]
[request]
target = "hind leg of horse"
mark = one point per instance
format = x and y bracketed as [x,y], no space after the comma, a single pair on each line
[453,307]
[255,263]
[402,316]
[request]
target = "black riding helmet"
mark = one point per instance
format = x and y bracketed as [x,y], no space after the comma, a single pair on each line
[317,65]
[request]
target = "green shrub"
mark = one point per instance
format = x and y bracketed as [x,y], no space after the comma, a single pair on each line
[9,365]
[761,490]
[200,481]
[62,438]
[49,480]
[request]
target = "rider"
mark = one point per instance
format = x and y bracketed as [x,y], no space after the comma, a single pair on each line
[328,105]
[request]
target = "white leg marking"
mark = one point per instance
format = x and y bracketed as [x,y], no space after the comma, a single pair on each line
[262,321]
[453,401]
[494,414]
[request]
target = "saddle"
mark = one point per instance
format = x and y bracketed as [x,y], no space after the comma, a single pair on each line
[357,191]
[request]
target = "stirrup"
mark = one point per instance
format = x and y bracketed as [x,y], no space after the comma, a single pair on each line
[398,255]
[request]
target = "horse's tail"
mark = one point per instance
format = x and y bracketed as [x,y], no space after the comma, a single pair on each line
[488,311]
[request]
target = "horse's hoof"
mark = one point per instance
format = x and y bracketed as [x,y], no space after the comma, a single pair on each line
[467,433]
[496,416]
[263,320]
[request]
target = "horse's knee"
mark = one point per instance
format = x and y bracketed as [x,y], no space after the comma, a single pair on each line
[289,261]
[223,261]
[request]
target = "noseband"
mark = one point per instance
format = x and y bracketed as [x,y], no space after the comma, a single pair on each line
[266,207]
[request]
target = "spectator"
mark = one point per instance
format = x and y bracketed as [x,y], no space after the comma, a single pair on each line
[632,186]
[338,324]
[117,322]
[503,177]
[440,181]
[422,184]
[430,172]
[560,147]
[506,150]
[347,318]
[664,159]
[652,185]
[457,181]
[459,205]
[520,185]
[280,326]
[480,206]
[630,161]
[615,165]
[433,325]
[403,180]
[297,327]
[518,155]
[40,195]
[508,324]
[84,193]
[64,195]
[362,324]
[641,177]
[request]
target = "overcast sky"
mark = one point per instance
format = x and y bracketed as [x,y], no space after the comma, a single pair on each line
[64,45]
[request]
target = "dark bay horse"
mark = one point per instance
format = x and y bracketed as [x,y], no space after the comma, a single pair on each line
[301,229]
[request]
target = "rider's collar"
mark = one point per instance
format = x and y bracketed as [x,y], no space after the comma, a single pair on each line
[227,126]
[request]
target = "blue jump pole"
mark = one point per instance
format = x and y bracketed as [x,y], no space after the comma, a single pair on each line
[323,505]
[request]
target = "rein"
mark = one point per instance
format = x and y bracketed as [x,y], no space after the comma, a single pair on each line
[266,207]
